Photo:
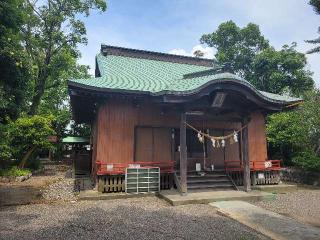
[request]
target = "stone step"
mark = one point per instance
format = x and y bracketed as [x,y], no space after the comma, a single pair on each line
[206,172]
[206,176]
[211,186]
[195,181]
[216,179]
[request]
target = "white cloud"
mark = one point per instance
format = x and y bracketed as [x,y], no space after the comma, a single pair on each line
[208,52]
[179,51]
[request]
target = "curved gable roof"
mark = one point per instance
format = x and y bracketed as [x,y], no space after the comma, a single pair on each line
[158,74]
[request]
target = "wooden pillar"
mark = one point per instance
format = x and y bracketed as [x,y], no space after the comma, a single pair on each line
[246,160]
[183,155]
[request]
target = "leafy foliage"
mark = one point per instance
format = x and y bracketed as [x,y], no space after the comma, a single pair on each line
[81,130]
[280,71]
[38,54]
[5,150]
[29,133]
[307,160]
[14,172]
[296,134]
[15,82]
[247,53]
[236,46]
[284,128]
[285,136]
[51,34]
[316,7]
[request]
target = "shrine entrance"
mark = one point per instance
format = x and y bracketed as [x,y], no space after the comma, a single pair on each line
[202,155]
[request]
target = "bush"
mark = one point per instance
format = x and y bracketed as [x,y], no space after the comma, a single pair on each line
[295,135]
[5,153]
[29,134]
[307,160]
[14,172]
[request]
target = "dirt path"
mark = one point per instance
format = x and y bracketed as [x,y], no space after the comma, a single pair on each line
[31,190]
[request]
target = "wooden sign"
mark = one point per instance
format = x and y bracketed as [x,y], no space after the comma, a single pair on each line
[53,138]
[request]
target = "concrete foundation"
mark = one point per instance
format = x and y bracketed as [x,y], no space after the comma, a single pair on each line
[203,197]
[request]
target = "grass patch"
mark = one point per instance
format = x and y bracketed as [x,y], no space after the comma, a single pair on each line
[14,172]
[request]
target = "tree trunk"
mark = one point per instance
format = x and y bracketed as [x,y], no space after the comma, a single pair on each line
[41,82]
[318,150]
[26,157]
[38,93]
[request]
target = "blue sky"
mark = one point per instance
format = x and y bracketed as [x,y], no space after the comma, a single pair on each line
[176,26]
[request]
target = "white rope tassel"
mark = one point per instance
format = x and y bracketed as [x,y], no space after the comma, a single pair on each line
[223,143]
[213,141]
[200,137]
[235,136]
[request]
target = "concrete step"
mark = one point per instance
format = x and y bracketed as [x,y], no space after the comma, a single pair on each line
[206,172]
[207,176]
[211,186]
[213,180]
[212,195]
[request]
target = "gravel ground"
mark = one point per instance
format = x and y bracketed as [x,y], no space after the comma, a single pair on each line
[137,218]
[62,190]
[303,205]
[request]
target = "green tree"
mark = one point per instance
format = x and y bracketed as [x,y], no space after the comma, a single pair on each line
[295,135]
[5,150]
[316,6]
[247,53]
[81,130]
[15,68]
[51,35]
[285,135]
[236,46]
[29,133]
[280,71]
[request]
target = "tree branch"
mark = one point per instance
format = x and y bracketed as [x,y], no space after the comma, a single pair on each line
[32,5]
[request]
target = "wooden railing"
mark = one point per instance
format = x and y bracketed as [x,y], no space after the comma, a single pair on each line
[120,168]
[255,166]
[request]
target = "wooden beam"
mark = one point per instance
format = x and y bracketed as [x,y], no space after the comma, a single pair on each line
[183,155]
[246,160]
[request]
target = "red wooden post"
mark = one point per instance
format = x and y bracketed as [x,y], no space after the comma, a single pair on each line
[183,155]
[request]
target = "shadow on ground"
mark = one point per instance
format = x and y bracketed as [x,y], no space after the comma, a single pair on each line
[138,219]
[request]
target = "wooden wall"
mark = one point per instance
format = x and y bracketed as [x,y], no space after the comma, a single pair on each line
[117,119]
[257,138]
[93,143]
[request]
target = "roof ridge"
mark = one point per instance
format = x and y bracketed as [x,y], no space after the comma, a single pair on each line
[202,73]
[160,56]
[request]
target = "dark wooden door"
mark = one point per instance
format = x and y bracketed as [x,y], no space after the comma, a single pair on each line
[153,144]
[162,141]
[144,145]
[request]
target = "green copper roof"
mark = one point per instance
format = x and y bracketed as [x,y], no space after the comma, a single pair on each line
[156,77]
[71,139]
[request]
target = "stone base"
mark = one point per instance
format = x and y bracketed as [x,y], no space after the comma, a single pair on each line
[15,179]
